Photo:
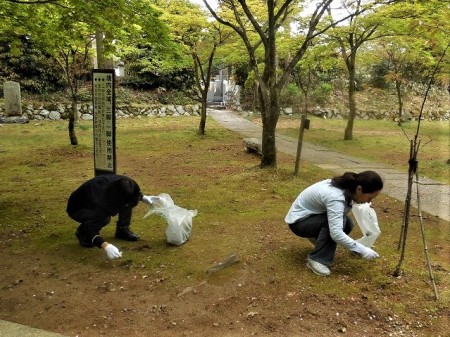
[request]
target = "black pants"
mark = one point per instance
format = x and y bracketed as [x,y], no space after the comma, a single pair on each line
[91,222]
[316,226]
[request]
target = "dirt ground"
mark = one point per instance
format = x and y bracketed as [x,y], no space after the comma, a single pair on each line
[41,290]
[75,298]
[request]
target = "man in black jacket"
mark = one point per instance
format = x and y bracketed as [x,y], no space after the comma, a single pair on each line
[95,201]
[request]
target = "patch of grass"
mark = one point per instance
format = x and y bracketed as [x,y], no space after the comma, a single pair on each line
[382,141]
[241,210]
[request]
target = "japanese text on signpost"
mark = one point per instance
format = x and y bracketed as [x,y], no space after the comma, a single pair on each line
[104,121]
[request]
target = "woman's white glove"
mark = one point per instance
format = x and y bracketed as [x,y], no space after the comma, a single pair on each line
[112,252]
[366,253]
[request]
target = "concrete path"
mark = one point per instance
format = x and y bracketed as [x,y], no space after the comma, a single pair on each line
[434,196]
[8,329]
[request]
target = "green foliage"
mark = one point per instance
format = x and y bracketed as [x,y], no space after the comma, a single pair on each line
[28,65]
[156,39]
[240,73]
[85,93]
[378,74]
[290,95]
[63,31]
[140,82]
[150,81]
[154,64]
[321,93]
[175,97]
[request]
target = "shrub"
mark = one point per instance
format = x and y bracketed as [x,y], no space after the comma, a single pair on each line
[322,92]
[289,94]
[35,71]
[378,74]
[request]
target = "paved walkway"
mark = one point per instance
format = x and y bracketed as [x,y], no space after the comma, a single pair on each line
[434,196]
[8,329]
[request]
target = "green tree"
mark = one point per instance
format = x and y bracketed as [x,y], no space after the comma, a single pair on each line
[404,58]
[200,40]
[28,65]
[420,33]
[259,24]
[361,27]
[313,72]
[65,29]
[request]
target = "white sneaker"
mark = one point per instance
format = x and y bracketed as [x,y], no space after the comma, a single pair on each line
[318,268]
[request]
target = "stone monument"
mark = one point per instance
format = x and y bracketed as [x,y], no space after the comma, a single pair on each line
[13,104]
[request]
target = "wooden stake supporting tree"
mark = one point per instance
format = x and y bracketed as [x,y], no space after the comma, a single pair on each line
[413,165]
[304,124]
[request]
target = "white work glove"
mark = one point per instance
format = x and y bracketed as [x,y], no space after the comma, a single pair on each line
[147,199]
[366,253]
[112,252]
[157,202]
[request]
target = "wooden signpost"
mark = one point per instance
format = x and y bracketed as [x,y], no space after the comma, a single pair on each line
[104,112]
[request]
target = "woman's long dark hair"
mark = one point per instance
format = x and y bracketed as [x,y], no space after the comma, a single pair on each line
[370,182]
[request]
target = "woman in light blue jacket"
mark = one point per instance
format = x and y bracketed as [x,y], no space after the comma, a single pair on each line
[320,214]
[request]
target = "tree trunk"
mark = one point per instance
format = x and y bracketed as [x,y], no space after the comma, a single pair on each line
[255,102]
[72,120]
[351,99]
[201,128]
[399,97]
[306,105]
[270,112]
[73,112]
[269,151]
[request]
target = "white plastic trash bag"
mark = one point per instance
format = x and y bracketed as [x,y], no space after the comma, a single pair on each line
[367,220]
[179,220]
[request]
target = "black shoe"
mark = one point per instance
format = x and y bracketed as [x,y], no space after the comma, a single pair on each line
[84,242]
[124,233]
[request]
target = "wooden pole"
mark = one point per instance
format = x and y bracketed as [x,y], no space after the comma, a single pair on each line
[408,198]
[411,172]
[300,143]
[99,49]
[424,240]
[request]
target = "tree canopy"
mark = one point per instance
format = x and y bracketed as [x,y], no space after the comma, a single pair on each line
[272,44]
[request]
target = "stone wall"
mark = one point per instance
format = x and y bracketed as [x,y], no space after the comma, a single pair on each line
[433,115]
[61,111]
